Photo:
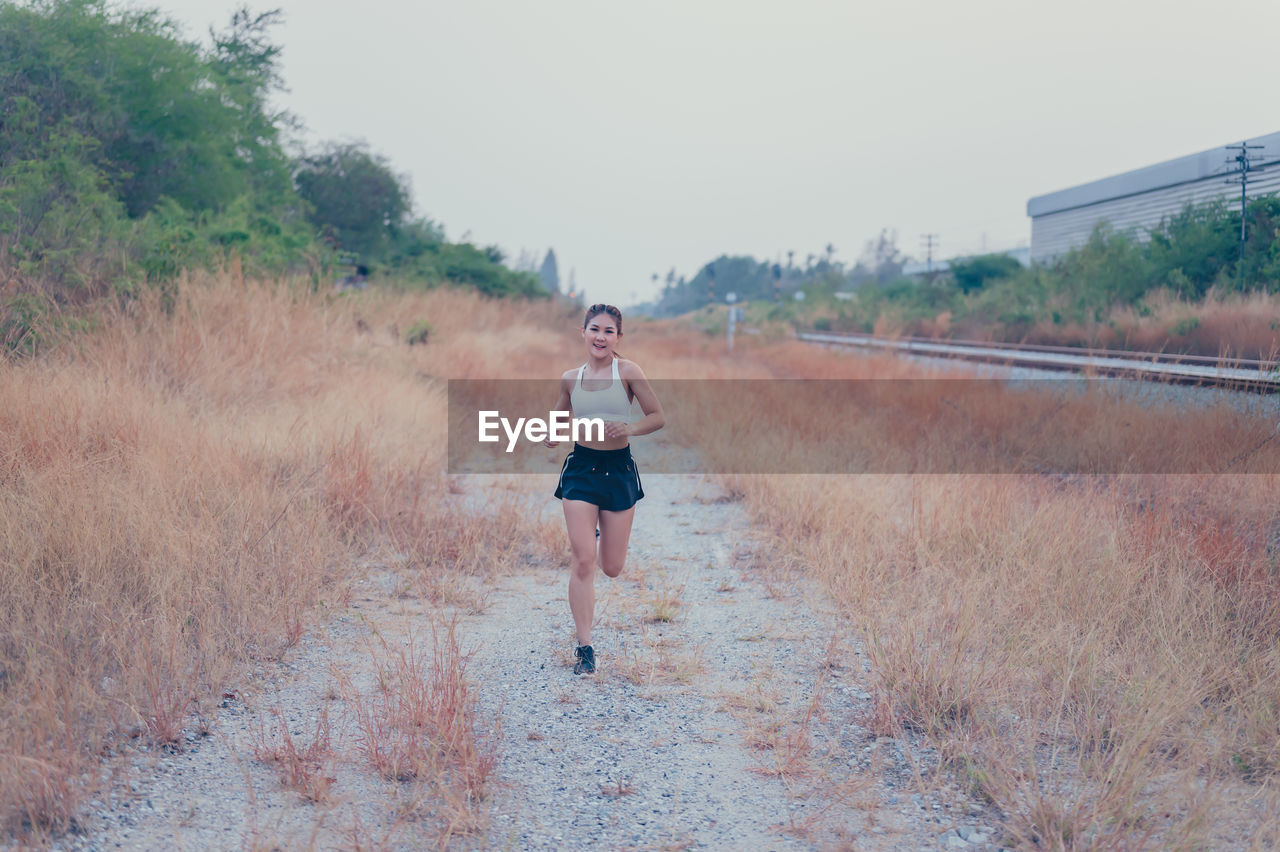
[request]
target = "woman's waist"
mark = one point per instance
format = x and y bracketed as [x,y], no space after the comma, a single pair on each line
[604,451]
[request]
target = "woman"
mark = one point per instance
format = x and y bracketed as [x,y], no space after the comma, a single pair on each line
[599,484]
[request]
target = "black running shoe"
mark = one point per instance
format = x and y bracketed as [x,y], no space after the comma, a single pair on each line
[586,660]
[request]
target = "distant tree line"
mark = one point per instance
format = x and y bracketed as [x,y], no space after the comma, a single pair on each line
[750,279]
[1187,255]
[128,154]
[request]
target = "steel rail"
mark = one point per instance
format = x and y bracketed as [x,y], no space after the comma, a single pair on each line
[1240,374]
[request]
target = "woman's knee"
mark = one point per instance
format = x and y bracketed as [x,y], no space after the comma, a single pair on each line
[612,567]
[584,569]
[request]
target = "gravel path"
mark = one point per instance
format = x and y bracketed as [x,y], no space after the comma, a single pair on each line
[732,725]
[725,714]
[646,752]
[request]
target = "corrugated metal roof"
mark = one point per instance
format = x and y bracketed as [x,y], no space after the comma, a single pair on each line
[1183,170]
[1055,233]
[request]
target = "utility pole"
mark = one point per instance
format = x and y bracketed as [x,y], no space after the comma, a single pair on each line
[930,241]
[1243,161]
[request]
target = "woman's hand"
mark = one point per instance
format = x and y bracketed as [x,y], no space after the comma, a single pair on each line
[617,429]
[550,442]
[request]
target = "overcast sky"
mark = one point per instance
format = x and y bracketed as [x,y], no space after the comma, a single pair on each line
[633,138]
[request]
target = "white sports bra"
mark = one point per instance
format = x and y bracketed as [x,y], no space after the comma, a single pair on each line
[611,403]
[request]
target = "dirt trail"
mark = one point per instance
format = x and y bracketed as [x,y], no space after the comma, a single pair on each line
[727,713]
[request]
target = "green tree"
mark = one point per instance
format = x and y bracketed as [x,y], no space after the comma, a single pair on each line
[355,196]
[1190,250]
[108,116]
[972,273]
[170,119]
[549,273]
[128,153]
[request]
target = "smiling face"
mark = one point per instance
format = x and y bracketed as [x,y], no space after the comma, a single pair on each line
[601,332]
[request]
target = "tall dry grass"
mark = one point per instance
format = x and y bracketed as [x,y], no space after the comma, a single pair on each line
[180,484]
[1234,325]
[1096,656]
[421,723]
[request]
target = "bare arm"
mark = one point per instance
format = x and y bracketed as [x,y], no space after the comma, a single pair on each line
[654,418]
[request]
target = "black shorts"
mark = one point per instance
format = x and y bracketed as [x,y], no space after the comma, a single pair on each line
[605,478]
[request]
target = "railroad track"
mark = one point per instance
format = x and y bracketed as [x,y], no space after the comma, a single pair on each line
[1239,374]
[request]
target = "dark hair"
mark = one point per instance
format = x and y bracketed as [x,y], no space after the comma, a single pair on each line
[596,310]
[601,308]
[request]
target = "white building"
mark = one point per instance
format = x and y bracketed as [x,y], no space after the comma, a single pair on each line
[1137,201]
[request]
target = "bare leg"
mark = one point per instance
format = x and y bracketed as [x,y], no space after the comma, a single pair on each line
[581,519]
[615,532]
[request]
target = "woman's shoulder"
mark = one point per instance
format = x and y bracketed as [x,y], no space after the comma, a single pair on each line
[570,374]
[629,369]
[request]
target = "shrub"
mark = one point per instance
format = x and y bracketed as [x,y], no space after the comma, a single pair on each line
[418,333]
[974,272]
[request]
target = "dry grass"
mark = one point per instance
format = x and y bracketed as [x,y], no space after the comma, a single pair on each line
[303,770]
[1234,325]
[655,660]
[663,602]
[781,739]
[617,790]
[421,724]
[1095,655]
[1231,324]
[762,697]
[178,487]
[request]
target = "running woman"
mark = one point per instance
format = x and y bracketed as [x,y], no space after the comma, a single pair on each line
[599,483]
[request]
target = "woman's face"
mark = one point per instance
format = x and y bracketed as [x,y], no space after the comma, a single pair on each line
[601,335]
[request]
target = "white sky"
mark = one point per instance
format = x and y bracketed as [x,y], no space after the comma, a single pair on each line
[638,137]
